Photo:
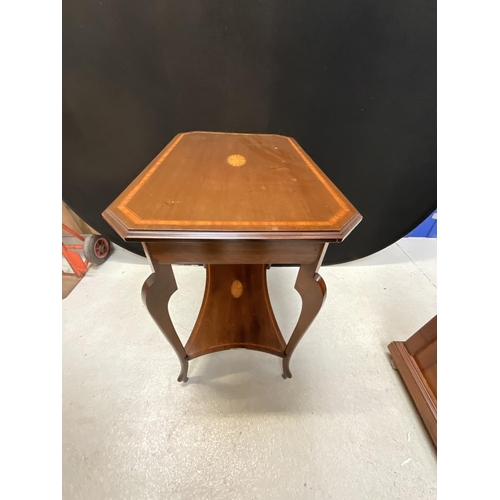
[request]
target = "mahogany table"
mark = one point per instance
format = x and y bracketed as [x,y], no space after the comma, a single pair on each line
[236,203]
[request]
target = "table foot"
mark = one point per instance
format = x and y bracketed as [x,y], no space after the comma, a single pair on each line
[183,375]
[286,368]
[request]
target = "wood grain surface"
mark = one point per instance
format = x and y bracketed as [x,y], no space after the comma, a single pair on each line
[236,312]
[236,203]
[218,182]
[416,360]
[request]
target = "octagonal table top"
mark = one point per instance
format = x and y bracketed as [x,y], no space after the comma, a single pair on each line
[211,185]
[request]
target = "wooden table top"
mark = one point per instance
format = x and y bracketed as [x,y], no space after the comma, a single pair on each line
[207,185]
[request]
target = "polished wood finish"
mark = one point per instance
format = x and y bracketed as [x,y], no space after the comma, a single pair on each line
[195,184]
[312,290]
[156,293]
[235,252]
[236,203]
[236,312]
[416,360]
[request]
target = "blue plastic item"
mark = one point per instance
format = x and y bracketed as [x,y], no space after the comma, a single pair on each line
[427,229]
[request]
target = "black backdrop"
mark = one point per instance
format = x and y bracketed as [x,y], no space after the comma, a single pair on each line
[353,81]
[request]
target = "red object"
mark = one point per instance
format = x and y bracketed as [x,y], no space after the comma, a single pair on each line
[101,248]
[78,264]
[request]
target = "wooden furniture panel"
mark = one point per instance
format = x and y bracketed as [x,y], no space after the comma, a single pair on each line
[236,312]
[416,360]
[232,182]
[235,252]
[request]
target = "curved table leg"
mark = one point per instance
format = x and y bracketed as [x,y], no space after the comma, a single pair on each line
[156,293]
[312,289]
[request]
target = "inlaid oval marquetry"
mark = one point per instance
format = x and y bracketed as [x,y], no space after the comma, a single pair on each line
[236,289]
[236,160]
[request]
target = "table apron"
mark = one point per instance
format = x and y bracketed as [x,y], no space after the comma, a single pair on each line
[234,251]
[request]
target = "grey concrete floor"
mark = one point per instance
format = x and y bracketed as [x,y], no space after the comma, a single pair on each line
[344,427]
